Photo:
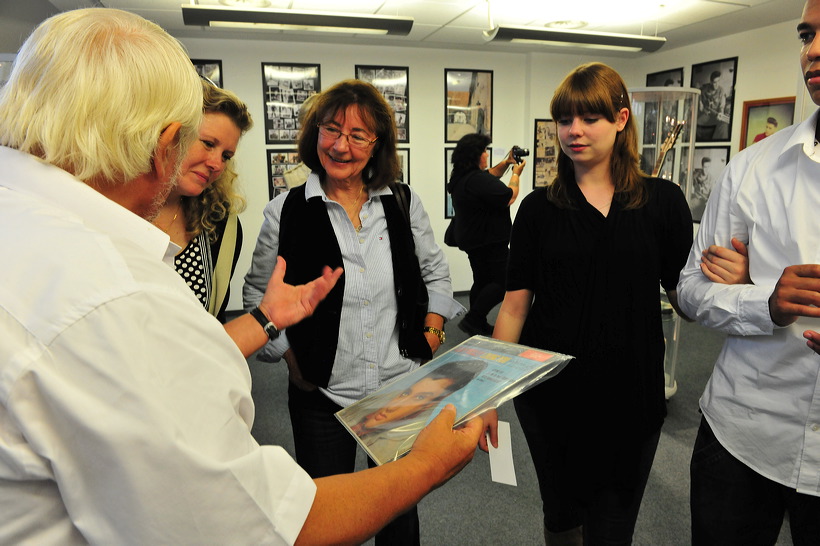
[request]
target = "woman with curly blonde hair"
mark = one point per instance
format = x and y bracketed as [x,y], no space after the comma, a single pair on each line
[200,214]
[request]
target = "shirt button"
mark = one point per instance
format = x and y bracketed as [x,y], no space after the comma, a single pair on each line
[815,428]
[366,302]
[361,241]
[361,270]
[368,335]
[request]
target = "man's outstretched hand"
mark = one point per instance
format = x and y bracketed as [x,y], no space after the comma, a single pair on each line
[285,304]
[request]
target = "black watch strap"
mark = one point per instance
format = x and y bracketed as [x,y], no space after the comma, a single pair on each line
[269,327]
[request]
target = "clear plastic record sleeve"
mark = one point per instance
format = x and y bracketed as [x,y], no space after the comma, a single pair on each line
[479,374]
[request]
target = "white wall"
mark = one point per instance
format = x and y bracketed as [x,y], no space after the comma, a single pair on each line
[768,67]
[523,85]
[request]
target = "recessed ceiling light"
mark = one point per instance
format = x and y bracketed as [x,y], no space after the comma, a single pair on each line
[246,3]
[567,24]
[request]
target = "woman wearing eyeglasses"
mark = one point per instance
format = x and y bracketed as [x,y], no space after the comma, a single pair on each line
[386,314]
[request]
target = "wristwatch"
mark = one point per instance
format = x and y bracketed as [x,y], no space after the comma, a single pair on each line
[439,333]
[267,325]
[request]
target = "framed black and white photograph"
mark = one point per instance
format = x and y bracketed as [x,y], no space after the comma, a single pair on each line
[285,87]
[762,118]
[393,83]
[665,78]
[709,162]
[469,103]
[449,212]
[6,62]
[716,81]
[545,167]
[404,164]
[210,69]
[279,162]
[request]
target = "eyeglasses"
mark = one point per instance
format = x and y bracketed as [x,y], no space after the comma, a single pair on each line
[332,133]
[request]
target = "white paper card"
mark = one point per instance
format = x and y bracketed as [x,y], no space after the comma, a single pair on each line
[502,469]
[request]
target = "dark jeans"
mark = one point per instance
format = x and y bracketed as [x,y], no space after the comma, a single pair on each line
[608,514]
[325,448]
[734,505]
[489,265]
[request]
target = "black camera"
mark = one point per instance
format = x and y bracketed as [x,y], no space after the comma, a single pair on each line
[519,153]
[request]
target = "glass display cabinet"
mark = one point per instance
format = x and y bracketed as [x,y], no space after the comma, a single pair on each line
[666,119]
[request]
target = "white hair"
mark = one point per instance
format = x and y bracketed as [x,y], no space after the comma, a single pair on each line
[91,91]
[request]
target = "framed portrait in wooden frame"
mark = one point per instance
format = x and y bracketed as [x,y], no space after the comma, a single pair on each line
[210,69]
[393,82]
[665,78]
[545,160]
[468,99]
[762,118]
[285,86]
[716,81]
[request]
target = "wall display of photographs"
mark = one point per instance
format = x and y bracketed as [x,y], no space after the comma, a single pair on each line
[449,211]
[665,78]
[469,100]
[762,118]
[210,69]
[285,87]
[279,162]
[393,83]
[546,153]
[716,81]
[709,162]
[404,164]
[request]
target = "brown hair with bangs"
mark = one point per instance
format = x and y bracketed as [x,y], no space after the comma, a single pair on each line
[595,88]
[383,166]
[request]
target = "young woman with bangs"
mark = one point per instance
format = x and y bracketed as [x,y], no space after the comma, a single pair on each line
[587,256]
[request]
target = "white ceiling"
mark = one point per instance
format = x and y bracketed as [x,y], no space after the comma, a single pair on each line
[459,23]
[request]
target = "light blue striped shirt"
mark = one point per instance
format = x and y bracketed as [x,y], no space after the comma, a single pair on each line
[367,354]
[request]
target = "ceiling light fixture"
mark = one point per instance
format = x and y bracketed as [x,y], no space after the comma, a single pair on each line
[580,38]
[322,21]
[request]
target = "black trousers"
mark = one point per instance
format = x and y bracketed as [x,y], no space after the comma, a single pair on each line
[489,265]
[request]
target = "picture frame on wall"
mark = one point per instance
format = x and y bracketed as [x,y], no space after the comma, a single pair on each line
[6,62]
[665,78]
[404,165]
[716,81]
[279,162]
[545,164]
[468,97]
[449,211]
[285,86]
[393,82]
[709,162]
[762,118]
[211,69]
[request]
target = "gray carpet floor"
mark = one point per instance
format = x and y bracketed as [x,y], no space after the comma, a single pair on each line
[473,510]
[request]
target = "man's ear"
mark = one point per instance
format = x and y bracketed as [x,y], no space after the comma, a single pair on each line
[165,154]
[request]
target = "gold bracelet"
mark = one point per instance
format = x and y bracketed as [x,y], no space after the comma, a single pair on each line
[438,333]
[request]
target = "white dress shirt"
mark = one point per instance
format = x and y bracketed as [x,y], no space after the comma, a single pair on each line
[125,409]
[367,354]
[763,398]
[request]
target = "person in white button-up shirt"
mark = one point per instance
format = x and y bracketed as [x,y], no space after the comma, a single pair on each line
[757,454]
[125,408]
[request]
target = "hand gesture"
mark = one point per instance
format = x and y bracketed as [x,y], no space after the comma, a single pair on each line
[285,304]
[796,294]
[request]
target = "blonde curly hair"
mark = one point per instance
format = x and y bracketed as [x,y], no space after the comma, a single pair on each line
[221,198]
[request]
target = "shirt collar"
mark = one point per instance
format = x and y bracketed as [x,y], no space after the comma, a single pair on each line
[32,176]
[803,136]
[313,188]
